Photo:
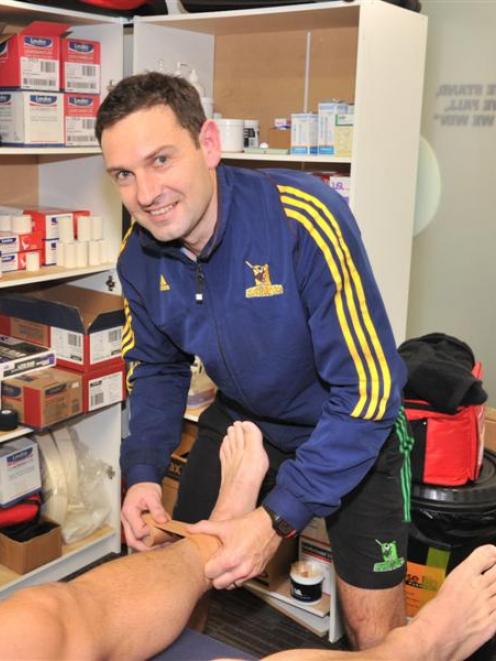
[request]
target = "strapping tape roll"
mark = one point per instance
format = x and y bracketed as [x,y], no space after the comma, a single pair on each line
[68,456]
[54,482]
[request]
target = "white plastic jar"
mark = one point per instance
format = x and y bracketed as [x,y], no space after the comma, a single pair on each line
[231,134]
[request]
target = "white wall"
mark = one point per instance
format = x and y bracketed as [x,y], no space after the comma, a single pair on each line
[453,281]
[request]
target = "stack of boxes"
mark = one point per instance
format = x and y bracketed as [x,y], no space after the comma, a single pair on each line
[328,132]
[49,87]
[83,328]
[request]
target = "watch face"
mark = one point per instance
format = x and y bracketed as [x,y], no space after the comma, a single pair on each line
[284,527]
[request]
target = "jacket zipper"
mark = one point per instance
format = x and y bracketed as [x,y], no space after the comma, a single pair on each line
[200,283]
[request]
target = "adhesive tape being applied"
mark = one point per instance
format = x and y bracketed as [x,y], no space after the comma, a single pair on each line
[54,482]
[8,419]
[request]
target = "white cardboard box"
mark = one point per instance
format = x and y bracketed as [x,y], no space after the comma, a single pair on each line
[31,118]
[19,470]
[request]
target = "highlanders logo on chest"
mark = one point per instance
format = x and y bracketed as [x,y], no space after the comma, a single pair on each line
[263,284]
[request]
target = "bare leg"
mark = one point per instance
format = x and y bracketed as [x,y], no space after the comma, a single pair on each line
[370,614]
[451,627]
[136,606]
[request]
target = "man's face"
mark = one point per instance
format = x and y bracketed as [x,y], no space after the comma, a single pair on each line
[166,182]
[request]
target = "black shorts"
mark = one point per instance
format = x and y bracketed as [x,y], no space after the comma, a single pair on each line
[368,534]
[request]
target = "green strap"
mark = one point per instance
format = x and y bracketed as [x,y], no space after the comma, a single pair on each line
[406,444]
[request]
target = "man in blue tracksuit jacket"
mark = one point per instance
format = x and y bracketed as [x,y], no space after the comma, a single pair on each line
[263,275]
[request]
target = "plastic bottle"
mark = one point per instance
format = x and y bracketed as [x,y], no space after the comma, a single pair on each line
[193,79]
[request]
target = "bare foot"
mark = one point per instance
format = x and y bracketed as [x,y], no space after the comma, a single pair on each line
[244,463]
[462,616]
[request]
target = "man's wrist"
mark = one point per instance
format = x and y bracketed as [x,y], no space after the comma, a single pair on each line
[281,527]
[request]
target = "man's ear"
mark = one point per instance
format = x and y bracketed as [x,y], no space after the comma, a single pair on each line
[210,143]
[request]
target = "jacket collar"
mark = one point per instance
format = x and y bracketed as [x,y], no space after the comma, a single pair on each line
[224,176]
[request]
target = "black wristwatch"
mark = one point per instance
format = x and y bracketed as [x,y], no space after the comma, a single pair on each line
[281,527]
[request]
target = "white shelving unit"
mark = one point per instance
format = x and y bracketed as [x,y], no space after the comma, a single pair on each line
[73,178]
[267,63]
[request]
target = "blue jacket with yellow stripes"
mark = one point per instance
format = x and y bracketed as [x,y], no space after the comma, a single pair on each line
[283,309]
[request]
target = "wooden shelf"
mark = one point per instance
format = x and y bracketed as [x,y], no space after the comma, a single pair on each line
[47,273]
[10,578]
[15,433]
[286,158]
[336,14]
[48,151]
[23,12]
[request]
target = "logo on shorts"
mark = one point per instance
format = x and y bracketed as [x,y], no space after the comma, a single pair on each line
[390,559]
[263,284]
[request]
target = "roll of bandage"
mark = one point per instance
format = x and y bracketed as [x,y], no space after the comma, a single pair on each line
[103,251]
[59,254]
[81,253]
[93,253]
[5,223]
[32,261]
[84,228]
[54,480]
[96,228]
[66,229]
[67,450]
[70,255]
[21,224]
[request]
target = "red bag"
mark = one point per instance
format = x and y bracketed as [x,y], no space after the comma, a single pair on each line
[448,448]
[26,510]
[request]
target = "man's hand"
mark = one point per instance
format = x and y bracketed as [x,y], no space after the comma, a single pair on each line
[141,497]
[248,543]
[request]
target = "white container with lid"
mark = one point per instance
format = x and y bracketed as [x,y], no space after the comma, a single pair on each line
[231,134]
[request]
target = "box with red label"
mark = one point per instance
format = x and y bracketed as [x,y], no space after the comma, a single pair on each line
[80,65]
[30,59]
[85,325]
[45,397]
[79,119]
[10,243]
[30,331]
[46,220]
[103,386]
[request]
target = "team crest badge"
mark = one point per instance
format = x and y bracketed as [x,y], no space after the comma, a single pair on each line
[164,285]
[263,284]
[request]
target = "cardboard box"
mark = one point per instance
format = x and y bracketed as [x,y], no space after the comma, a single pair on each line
[327,111]
[10,243]
[23,557]
[80,118]
[170,483]
[46,220]
[80,65]
[29,331]
[49,252]
[103,386]
[279,566]
[17,356]
[421,585]
[31,118]
[279,138]
[85,325]
[19,470]
[16,261]
[490,429]
[44,397]
[30,59]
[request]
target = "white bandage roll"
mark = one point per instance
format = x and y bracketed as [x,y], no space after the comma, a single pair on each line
[81,253]
[5,223]
[94,253]
[66,229]
[84,228]
[21,224]
[70,255]
[59,254]
[103,249]
[96,228]
[33,261]
[67,450]
[54,480]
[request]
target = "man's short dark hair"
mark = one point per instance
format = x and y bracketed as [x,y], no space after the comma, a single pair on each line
[151,89]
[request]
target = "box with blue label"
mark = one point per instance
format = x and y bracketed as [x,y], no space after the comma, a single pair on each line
[31,118]
[19,470]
